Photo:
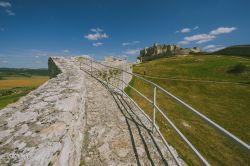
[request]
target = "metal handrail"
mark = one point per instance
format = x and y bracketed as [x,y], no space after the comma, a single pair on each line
[158,131]
[156,108]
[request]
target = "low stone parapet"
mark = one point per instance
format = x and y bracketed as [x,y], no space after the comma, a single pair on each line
[45,127]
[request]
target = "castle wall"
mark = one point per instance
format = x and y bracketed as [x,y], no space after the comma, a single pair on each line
[157,51]
[45,127]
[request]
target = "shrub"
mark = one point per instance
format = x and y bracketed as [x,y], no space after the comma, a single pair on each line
[238,68]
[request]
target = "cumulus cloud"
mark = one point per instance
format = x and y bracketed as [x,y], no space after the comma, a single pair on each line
[132,51]
[199,38]
[10,12]
[96,30]
[39,53]
[215,49]
[185,30]
[183,42]
[222,30]
[97,44]
[5,4]
[66,51]
[196,27]
[212,48]
[97,35]
[209,46]
[7,7]
[202,38]
[130,43]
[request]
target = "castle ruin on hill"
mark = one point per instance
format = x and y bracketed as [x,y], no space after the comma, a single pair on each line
[158,51]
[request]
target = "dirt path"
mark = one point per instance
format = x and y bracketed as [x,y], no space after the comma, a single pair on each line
[116,133]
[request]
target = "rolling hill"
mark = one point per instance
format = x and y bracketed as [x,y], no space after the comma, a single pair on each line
[22,72]
[215,85]
[240,50]
[15,83]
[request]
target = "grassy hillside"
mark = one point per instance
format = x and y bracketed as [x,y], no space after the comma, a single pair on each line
[15,83]
[240,50]
[218,86]
[5,73]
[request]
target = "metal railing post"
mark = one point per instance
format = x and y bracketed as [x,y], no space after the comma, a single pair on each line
[154,103]
[99,67]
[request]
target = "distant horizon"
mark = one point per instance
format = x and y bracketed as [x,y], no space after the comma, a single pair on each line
[2,67]
[31,31]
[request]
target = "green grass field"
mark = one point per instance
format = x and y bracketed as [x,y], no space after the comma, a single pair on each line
[239,50]
[15,83]
[217,86]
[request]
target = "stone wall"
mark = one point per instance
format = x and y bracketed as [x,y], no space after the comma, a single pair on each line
[158,51]
[110,73]
[53,68]
[45,127]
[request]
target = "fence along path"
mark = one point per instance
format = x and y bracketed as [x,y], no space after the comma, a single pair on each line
[104,73]
[116,131]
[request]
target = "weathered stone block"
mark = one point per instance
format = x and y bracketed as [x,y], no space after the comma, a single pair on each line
[45,127]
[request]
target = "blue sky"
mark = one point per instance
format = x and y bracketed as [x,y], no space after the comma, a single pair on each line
[30,31]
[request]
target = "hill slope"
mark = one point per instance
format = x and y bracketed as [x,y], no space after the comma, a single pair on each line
[22,72]
[15,83]
[208,84]
[241,50]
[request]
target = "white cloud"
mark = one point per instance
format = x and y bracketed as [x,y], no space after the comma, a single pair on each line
[212,48]
[130,43]
[10,12]
[39,53]
[215,49]
[97,44]
[96,30]
[202,38]
[185,30]
[5,4]
[183,42]
[132,51]
[86,56]
[7,7]
[196,27]
[97,35]
[209,47]
[199,38]
[222,30]
[66,51]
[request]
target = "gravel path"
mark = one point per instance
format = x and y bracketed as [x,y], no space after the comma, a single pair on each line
[116,133]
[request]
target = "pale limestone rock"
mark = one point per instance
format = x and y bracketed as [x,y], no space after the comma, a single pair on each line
[50,126]
[5,133]
[20,117]
[45,127]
